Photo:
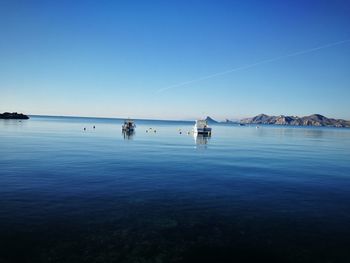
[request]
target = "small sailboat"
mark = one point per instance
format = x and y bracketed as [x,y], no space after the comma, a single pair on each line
[128,126]
[201,127]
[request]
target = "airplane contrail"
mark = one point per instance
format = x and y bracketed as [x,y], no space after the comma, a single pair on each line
[254,65]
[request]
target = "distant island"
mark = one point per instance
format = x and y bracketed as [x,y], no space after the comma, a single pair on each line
[210,120]
[312,120]
[227,121]
[13,115]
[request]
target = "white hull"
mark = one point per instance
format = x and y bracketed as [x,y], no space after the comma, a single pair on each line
[201,127]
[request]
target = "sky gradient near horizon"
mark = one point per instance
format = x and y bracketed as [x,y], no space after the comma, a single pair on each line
[129,58]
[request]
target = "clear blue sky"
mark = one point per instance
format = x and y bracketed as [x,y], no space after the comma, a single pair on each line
[111,58]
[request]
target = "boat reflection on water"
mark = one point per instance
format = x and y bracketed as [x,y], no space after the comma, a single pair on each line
[128,135]
[202,140]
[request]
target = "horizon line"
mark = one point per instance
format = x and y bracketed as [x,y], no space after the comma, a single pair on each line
[180,120]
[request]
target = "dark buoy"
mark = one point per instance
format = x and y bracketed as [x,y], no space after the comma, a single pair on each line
[94,126]
[84,129]
[155,131]
[180,132]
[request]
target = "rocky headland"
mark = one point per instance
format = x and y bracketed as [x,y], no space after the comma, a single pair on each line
[312,120]
[13,115]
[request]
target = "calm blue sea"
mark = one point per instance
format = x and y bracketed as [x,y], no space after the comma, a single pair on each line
[272,194]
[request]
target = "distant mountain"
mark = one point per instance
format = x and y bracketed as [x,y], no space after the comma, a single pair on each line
[312,120]
[13,115]
[210,120]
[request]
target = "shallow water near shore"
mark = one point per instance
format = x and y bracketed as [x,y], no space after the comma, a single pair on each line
[274,194]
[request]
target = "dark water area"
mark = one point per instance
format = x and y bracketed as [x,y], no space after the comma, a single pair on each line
[273,194]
